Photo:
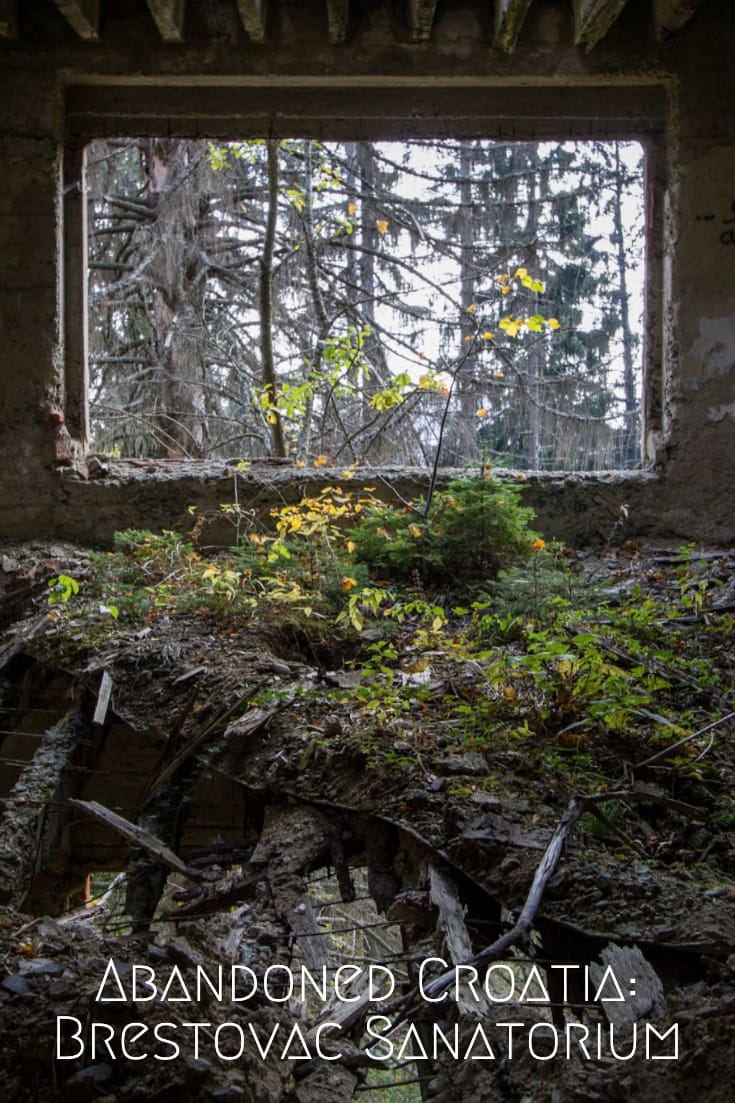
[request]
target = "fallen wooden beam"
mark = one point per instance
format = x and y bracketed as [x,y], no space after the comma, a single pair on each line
[452,926]
[593,19]
[338,18]
[82,15]
[253,15]
[137,835]
[34,817]
[16,646]
[104,696]
[291,842]
[509,18]
[169,18]
[421,18]
[671,15]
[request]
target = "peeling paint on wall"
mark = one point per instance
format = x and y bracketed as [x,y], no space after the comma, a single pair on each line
[712,353]
[719,413]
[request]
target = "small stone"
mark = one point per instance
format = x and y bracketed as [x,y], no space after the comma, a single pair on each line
[40,967]
[197,1068]
[438,784]
[181,953]
[470,762]
[712,894]
[402,747]
[97,469]
[8,565]
[17,985]
[227,1094]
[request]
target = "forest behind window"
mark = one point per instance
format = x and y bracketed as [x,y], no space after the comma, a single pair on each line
[358,302]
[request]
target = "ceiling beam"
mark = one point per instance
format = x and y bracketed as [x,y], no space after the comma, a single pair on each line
[593,19]
[671,15]
[421,18]
[169,18]
[82,15]
[338,15]
[509,17]
[253,14]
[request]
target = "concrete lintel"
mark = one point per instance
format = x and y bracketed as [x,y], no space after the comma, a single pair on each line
[421,18]
[509,18]
[8,18]
[338,16]
[253,15]
[82,15]
[671,15]
[593,19]
[169,18]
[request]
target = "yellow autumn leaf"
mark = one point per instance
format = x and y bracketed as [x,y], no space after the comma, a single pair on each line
[381,225]
[521,273]
[472,308]
[347,474]
[300,463]
[414,530]
[506,289]
[352,208]
[482,412]
[553,323]
[538,545]
[499,375]
[351,545]
[320,461]
[488,335]
[348,583]
[469,338]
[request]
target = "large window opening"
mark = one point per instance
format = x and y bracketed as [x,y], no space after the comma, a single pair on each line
[367,301]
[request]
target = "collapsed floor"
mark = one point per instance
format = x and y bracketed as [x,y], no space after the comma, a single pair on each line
[290,802]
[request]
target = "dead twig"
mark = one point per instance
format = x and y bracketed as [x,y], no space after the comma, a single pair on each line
[682,742]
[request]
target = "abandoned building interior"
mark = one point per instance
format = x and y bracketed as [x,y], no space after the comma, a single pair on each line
[125,742]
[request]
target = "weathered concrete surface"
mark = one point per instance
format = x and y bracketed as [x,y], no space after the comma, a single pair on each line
[57,91]
[577,509]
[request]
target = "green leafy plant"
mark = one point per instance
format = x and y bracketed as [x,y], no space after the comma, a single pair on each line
[477,527]
[61,589]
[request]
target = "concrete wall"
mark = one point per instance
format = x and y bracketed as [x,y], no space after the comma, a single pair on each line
[57,91]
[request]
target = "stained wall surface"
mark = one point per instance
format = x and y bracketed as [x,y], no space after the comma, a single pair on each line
[675,91]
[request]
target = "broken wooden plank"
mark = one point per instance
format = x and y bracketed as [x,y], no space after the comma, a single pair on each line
[253,14]
[292,841]
[519,932]
[104,696]
[645,998]
[137,835]
[338,18]
[82,15]
[240,731]
[16,646]
[8,18]
[421,18]
[671,15]
[509,18]
[451,925]
[169,18]
[593,19]
[34,817]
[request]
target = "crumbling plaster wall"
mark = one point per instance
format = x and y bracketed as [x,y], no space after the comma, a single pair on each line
[56,89]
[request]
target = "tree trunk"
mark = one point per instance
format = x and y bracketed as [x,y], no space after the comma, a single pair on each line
[268,368]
